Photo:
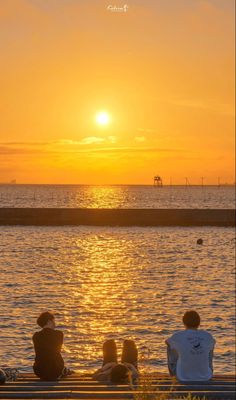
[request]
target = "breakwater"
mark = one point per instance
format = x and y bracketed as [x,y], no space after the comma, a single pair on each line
[116,217]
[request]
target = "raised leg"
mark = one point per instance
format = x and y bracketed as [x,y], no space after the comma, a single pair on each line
[130,353]
[109,352]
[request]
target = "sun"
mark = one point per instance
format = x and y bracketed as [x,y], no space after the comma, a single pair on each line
[103,118]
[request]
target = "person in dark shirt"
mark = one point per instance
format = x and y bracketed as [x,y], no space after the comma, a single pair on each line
[49,364]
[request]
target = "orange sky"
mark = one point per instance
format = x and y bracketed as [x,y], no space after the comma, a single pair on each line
[163,70]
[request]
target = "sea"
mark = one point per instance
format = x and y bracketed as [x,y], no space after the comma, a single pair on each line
[117,196]
[119,282]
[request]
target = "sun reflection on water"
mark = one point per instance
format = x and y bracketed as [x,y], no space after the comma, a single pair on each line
[106,196]
[114,283]
[105,292]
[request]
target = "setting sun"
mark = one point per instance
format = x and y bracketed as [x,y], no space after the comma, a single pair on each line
[102,118]
[117,199]
[104,90]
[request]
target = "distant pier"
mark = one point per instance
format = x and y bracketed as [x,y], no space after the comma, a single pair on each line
[116,217]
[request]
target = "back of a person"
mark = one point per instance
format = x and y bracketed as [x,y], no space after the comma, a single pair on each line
[190,351]
[193,348]
[48,342]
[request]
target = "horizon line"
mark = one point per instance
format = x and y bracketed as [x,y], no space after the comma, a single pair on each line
[117,184]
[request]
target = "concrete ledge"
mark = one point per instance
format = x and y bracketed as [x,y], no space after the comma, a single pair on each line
[117,217]
[78,386]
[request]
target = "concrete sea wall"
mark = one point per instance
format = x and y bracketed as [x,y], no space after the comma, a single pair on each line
[116,217]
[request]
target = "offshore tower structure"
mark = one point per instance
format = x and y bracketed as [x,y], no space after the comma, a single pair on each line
[157,181]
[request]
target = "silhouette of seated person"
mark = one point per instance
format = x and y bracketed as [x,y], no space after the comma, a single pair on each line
[49,364]
[118,373]
[190,351]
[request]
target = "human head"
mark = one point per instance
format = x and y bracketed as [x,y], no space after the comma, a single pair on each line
[46,318]
[119,374]
[191,319]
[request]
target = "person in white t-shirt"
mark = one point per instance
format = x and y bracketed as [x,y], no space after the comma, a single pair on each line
[190,351]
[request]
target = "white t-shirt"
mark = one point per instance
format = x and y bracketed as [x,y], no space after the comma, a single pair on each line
[193,347]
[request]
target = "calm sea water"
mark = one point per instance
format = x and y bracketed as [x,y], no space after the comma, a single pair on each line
[117,196]
[115,283]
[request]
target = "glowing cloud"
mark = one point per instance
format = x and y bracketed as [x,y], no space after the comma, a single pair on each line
[140,139]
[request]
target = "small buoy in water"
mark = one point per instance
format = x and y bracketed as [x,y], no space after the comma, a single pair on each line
[200,241]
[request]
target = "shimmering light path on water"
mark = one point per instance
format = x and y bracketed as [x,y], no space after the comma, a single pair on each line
[121,283]
[117,196]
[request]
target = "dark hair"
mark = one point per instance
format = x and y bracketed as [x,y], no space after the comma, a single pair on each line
[119,374]
[191,319]
[44,318]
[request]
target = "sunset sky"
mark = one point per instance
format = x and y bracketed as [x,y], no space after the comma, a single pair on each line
[161,74]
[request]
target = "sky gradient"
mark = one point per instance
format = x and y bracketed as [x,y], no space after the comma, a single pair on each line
[163,71]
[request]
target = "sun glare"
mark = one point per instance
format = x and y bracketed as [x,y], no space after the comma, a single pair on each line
[102,118]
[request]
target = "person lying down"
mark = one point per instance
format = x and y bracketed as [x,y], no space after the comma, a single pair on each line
[125,372]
